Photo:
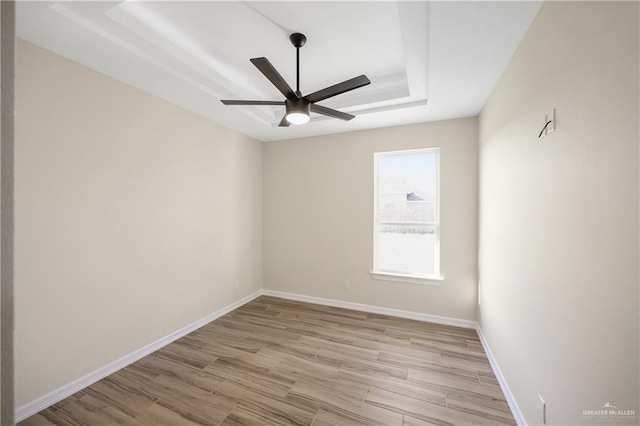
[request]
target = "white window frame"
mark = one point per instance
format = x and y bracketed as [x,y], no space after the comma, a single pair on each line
[397,276]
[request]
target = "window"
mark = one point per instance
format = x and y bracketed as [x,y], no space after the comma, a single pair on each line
[406,216]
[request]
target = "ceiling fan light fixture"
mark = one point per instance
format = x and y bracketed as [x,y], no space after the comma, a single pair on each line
[297,111]
[297,118]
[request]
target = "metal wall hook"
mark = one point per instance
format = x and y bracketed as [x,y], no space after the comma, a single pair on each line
[545,127]
[549,125]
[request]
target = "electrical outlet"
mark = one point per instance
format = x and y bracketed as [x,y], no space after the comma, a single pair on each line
[544,410]
[236,284]
[347,284]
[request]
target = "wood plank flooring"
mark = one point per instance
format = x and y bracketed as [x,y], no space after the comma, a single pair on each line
[281,362]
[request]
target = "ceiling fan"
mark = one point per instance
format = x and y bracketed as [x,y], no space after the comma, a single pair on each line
[297,107]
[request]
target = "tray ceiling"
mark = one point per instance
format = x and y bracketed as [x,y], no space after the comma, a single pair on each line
[426,60]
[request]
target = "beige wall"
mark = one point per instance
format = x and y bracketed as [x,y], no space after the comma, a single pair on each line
[318,217]
[134,219]
[559,215]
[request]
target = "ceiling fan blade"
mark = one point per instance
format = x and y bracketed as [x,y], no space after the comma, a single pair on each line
[331,112]
[338,89]
[284,122]
[227,102]
[274,77]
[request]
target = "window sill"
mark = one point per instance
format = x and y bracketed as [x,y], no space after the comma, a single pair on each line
[412,279]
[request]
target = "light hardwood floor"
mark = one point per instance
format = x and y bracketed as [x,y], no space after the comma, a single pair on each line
[280,362]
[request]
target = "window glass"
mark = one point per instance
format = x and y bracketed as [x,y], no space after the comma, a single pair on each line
[407,228]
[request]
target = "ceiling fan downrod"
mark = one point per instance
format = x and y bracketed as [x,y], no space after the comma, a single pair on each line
[298,40]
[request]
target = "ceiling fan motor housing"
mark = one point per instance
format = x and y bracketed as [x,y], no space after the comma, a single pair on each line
[297,110]
[300,105]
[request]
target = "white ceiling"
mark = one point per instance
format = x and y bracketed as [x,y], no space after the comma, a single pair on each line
[426,60]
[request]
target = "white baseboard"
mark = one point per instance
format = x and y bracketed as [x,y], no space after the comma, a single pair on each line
[69,389]
[511,400]
[373,309]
